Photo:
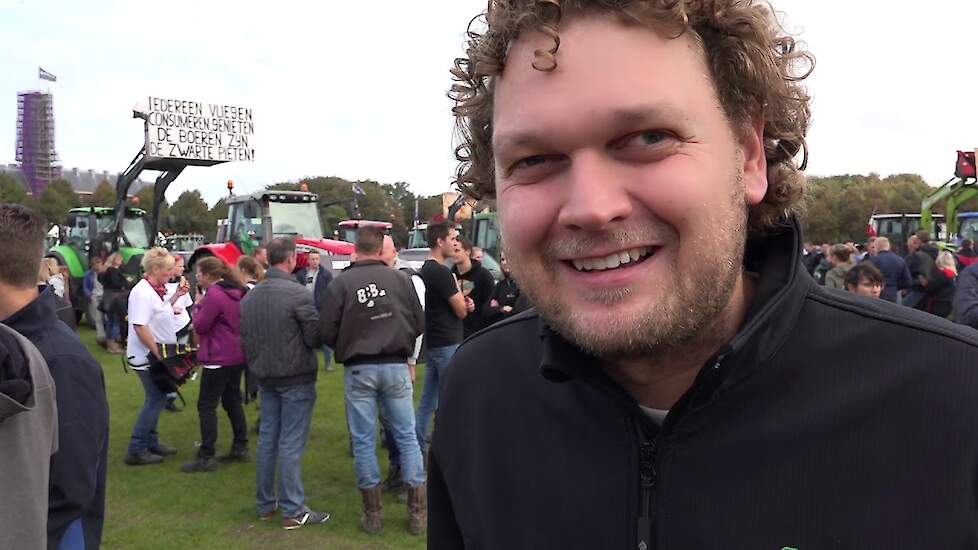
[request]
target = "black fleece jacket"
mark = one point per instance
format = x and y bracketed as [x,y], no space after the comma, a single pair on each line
[78,468]
[794,435]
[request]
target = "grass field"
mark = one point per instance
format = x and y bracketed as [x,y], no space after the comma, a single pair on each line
[153,507]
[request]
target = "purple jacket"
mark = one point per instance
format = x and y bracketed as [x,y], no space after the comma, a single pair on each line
[217,321]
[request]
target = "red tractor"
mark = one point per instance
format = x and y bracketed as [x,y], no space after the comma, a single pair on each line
[257,218]
[346,230]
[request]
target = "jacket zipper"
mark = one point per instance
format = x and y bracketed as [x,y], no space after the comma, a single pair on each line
[647,473]
[647,483]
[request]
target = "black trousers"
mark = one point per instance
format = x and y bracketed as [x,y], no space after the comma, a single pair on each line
[222,386]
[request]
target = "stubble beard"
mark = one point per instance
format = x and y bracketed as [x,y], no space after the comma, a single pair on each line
[699,289]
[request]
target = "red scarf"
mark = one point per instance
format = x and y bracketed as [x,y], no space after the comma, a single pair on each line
[161,290]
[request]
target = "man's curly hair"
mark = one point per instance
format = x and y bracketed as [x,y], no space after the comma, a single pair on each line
[755,66]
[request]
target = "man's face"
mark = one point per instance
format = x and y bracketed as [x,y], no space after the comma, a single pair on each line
[867,288]
[476,253]
[461,255]
[622,152]
[450,244]
[388,252]
[913,243]
[312,260]
[871,248]
[262,256]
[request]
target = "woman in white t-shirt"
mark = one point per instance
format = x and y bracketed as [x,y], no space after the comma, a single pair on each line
[151,322]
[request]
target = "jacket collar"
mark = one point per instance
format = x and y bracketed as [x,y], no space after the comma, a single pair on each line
[363,263]
[36,317]
[782,286]
[276,273]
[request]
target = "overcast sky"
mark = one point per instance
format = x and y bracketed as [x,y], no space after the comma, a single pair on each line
[357,89]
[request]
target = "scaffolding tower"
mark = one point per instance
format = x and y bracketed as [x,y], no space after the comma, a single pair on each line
[35,140]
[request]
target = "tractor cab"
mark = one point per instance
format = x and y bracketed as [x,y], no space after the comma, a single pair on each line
[88,233]
[899,227]
[967,227]
[256,219]
[260,217]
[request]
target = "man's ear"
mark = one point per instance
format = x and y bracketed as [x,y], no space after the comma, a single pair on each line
[754,167]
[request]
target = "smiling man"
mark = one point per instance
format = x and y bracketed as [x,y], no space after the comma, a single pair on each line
[683,383]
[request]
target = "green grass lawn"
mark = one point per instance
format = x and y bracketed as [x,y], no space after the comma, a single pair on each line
[158,506]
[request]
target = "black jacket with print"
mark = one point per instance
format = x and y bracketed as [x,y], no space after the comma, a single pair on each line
[371,314]
[829,421]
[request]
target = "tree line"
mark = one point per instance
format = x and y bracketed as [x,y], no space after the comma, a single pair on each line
[837,208]
[339,199]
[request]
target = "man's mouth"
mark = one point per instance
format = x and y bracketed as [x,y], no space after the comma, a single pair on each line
[615,260]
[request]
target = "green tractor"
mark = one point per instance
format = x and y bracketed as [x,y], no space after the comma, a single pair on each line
[88,233]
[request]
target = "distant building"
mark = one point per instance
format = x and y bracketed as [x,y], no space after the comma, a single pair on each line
[35,140]
[83,182]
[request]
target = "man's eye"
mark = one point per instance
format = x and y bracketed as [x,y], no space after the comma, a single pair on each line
[530,162]
[648,138]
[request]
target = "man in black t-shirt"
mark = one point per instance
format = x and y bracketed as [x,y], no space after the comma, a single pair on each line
[506,293]
[477,286]
[445,307]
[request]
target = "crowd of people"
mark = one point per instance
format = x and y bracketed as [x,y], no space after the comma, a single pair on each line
[255,330]
[927,278]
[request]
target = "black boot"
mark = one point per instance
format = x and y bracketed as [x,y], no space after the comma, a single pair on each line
[394,483]
[235,455]
[199,465]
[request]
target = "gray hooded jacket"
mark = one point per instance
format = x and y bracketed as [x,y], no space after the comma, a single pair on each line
[28,438]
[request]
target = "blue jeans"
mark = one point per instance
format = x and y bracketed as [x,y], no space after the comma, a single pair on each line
[144,437]
[388,385]
[113,327]
[286,412]
[328,358]
[437,361]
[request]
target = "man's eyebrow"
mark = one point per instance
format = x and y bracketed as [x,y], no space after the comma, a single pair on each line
[656,112]
[517,139]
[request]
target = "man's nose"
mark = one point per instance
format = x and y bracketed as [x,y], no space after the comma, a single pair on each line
[597,194]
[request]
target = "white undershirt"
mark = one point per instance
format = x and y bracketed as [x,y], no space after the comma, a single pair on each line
[657,416]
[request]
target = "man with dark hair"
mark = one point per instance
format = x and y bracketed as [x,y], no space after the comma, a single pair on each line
[926,245]
[505,294]
[370,241]
[966,254]
[864,279]
[76,507]
[682,382]
[316,278]
[280,334]
[445,308]
[477,286]
[372,317]
[920,263]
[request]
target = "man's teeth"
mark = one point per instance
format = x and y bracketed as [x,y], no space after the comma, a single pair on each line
[611,261]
